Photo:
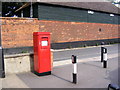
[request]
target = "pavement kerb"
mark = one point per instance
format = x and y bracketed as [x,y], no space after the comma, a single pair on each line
[55,50]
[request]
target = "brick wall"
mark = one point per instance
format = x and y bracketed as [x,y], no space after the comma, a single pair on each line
[79,31]
[18,32]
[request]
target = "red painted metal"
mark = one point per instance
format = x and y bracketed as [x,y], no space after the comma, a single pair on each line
[42,56]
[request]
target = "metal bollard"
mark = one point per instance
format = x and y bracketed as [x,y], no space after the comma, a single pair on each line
[102,48]
[104,57]
[74,61]
[2,71]
[102,54]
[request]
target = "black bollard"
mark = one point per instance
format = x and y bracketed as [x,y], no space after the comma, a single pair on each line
[105,58]
[102,48]
[74,61]
[2,70]
[102,54]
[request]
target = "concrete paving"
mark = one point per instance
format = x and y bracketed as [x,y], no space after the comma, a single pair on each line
[91,74]
[0,84]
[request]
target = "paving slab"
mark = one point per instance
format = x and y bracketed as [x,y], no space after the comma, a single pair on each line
[90,75]
[0,83]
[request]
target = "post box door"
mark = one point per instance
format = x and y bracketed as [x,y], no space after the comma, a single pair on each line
[45,63]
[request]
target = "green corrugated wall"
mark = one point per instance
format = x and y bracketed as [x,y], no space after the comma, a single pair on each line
[47,12]
[35,10]
[59,13]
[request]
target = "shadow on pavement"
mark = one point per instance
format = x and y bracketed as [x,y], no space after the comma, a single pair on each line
[91,64]
[61,78]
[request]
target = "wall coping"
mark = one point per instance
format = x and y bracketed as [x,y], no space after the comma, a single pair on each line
[17,55]
[21,54]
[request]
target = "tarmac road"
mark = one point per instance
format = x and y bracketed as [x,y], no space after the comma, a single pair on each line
[83,52]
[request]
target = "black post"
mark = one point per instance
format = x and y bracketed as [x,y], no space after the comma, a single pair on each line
[104,64]
[105,58]
[102,54]
[74,61]
[2,72]
[102,48]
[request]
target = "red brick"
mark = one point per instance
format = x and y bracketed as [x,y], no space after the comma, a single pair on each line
[18,32]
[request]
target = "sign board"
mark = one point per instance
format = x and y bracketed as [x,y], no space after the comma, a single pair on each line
[44,43]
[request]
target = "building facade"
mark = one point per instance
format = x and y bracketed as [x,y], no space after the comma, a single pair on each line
[71,24]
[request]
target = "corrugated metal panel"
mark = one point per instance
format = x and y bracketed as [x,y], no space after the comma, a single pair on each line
[98,17]
[119,19]
[48,12]
[61,13]
[35,10]
[116,18]
[98,6]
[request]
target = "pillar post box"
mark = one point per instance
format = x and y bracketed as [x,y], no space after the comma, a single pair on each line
[42,54]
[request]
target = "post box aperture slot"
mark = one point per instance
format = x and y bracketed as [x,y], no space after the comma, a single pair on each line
[44,41]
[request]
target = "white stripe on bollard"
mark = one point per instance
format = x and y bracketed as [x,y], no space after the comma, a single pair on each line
[104,50]
[75,68]
[105,56]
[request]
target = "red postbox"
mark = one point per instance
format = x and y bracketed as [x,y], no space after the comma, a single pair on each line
[42,55]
